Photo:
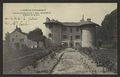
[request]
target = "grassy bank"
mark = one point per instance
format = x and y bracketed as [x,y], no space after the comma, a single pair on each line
[103,57]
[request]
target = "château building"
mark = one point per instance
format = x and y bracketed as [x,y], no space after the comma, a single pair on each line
[72,34]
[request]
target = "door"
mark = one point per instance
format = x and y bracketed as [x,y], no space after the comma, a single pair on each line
[17,46]
[71,41]
[71,44]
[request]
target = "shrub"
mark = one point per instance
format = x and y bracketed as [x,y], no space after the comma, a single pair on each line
[99,58]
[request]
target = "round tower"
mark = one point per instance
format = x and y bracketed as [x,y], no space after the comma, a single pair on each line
[88,33]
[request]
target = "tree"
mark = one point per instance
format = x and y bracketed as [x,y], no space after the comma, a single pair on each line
[44,40]
[36,35]
[108,31]
[109,25]
[7,39]
[7,36]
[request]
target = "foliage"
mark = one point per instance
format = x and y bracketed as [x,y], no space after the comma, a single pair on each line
[44,40]
[108,30]
[50,51]
[101,59]
[36,35]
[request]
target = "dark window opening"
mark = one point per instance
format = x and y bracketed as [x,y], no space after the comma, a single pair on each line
[22,40]
[77,29]
[71,38]
[13,39]
[22,45]
[50,35]
[64,29]
[65,44]
[77,43]
[17,45]
[77,37]
[50,26]
[71,44]
[65,37]
[70,30]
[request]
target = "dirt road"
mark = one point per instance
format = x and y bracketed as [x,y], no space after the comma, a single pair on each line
[74,62]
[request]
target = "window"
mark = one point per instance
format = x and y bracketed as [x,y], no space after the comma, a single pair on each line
[71,38]
[77,29]
[22,40]
[71,44]
[50,26]
[77,37]
[22,45]
[65,44]
[65,37]
[64,28]
[77,43]
[70,30]
[50,35]
[13,39]
[17,46]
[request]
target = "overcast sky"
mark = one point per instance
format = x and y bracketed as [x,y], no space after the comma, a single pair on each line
[64,12]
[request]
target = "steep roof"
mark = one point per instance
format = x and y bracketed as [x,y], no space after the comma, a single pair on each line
[19,30]
[71,23]
[48,21]
[87,22]
[81,23]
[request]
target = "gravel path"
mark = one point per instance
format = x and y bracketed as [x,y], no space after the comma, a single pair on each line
[68,61]
[74,62]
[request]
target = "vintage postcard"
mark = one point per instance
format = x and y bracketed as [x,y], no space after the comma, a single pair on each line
[60,38]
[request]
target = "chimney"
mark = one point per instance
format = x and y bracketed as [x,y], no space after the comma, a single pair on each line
[82,18]
[47,19]
[16,26]
[89,19]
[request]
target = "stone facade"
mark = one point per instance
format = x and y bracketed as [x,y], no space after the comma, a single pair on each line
[72,34]
[18,40]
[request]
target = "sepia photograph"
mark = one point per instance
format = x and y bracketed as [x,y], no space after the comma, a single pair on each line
[60,38]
